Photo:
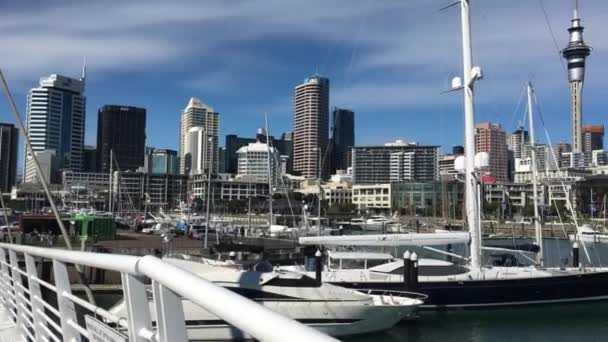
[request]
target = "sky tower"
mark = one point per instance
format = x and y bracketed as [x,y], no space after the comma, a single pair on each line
[575,53]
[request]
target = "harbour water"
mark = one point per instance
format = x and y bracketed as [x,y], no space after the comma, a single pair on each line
[554,323]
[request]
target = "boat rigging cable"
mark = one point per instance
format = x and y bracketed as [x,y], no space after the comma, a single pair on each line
[81,277]
[550,29]
[565,190]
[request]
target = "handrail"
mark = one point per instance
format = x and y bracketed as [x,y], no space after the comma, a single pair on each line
[170,284]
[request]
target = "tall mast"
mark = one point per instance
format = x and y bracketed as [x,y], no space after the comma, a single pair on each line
[537,228]
[209,168]
[470,76]
[319,197]
[270,218]
[110,209]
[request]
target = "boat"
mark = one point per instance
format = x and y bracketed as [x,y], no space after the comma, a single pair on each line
[328,308]
[374,222]
[484,283]
[587,233]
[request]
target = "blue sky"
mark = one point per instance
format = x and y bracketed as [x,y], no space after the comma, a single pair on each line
[387,60]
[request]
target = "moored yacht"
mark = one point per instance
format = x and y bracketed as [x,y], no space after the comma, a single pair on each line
[331,309]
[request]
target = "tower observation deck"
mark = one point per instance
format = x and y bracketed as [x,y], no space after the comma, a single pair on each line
[575,54]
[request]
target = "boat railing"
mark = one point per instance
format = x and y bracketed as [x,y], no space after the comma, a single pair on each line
[393,293]
[59,315]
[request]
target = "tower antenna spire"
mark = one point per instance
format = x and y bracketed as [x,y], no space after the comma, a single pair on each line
[575,9]
[83,76]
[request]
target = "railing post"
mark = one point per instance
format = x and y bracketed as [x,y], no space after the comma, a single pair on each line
[138,308]
[170,320]
[35,293]
[18,291]
[5,281]
[66,307]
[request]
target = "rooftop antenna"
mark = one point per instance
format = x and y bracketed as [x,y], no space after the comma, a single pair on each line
[575,9]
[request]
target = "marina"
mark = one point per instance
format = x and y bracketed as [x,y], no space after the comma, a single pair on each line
[344,242]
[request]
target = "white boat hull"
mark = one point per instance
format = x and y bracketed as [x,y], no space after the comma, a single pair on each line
[594,238]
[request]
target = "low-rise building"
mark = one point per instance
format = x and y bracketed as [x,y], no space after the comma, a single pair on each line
[372,196]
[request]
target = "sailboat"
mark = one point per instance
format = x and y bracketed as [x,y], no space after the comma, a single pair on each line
[479,284]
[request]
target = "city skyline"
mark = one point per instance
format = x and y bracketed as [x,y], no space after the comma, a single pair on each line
[367,63]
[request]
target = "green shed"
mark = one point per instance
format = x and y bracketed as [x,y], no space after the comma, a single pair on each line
[96,227]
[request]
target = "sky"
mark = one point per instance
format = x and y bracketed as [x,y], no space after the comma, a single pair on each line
[388,60]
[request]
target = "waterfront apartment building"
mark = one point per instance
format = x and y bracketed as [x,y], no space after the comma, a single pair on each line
[394,162]
[196,145]
[491,138]
[372,196]
[56,122]
[9,142]
[253,162]
[134,190]
[342,138]
[198,114]
[121,130]
[311,127]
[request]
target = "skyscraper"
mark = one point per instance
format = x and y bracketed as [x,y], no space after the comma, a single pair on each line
[56,121]
[343,137]
[195,158]
[311,126]
[122,130]
[253,162]
[491,138]
[9,140]
[198,114]
[575,53]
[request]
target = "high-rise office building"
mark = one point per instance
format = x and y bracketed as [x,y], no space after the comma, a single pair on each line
[575,54]
[593,138]
[198,114]
[55,122]
[122,130]
[491,138]
[163,162]
[89,160]
[9,141]
[394,162]
[343,138]
[311,127]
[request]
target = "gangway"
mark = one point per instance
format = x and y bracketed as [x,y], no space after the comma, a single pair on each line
[32,317]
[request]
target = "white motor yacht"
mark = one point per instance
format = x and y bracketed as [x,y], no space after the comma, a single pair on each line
[331,309]
[586,233]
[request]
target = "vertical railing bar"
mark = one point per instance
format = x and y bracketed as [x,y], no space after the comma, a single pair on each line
[170,320]
[35,295]
[137,307]
[16,289]
[67,310]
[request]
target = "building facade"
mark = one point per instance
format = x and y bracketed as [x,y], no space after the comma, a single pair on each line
[491,138]
[284,147]
[56,112]
[394,162]
[517,140]
[9,142]
[372,196]
[164,162]
[311,127]
[343,138]
[593,138]
[253,162]
[198,114]
[121,130]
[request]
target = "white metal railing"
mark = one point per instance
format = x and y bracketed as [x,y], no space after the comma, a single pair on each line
[38,320]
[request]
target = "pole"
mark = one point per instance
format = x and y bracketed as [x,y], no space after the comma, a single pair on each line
[209,165]
[469,118]
[270,192]
[110,201]
[537,228]
[28,146]
[319,197]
